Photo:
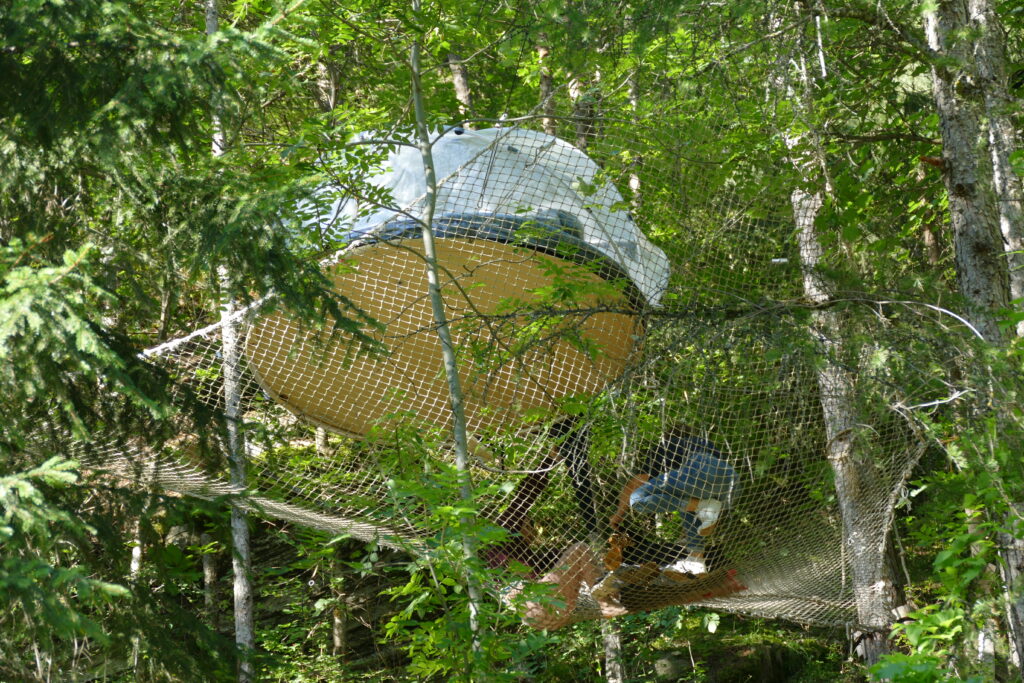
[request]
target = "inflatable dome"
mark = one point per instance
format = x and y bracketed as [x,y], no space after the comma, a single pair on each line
[543,272]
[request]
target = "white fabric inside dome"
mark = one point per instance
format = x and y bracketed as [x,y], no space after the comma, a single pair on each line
[518,172]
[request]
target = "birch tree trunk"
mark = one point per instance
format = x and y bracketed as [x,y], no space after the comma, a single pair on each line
[134,569]
[241,560]
[209,582]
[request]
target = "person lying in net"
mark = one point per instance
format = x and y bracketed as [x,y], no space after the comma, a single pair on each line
[567,570]
[685,473]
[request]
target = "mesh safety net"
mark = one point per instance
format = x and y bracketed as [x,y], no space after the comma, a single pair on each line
[637,348]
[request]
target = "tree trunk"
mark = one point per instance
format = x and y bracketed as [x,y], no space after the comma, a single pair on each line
[547,91]
[339,620]
[614,671]
[854,472]
[460,80]
[982,227]
[326,85]
[456,401]
[134,568]
[584,109]
[977,240]
[209,582]
[241,561]
[323,444]
[990,65]
[339,615]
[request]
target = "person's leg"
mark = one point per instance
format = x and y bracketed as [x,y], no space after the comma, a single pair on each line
[660,495]
[578,564]
[707,485]
[704,476]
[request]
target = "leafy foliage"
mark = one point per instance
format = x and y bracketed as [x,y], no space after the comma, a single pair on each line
[115,221]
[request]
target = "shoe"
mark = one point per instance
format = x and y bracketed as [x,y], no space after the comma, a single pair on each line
[689,565]
[708,511]
[607,589]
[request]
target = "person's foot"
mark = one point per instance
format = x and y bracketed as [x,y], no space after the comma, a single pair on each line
[708,511]
[607,589]
[606,596]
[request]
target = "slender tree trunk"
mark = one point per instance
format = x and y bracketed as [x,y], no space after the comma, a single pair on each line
[636,201]
[458,411]
[460,81]
[209,582]
[241,561]
[146,478]
[614,670]
[584,109]
[167,301]
[134,568]
[339,623]
[323,445]
[854,471]
[326,85]
[976,180]
[327,98]
[547,91]
[339,615]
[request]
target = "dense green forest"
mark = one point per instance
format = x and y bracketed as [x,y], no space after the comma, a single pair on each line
[836,184]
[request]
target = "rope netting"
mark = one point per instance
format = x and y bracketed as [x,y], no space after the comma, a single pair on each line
[637,356]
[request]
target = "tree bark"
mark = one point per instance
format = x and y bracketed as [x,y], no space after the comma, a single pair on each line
[547,91]
[134,568]
[973,83]
[231,368]
[241,559]
[990,66]
[326,85]
[614,670]
[967,173]
[584,109]
[456,401]
[854,471]
[460,81]
[339,614]
[209,561]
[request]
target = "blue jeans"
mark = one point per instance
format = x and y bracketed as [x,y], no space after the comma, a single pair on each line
[704,476]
